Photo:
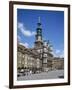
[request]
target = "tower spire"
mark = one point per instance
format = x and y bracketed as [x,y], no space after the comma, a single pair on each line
[39,19]
[39,41]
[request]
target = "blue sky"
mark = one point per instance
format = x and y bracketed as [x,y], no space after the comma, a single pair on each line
[52,28]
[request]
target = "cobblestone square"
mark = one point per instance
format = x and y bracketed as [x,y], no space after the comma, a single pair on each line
[55,74]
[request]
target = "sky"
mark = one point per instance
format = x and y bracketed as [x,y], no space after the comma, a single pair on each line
[52,28]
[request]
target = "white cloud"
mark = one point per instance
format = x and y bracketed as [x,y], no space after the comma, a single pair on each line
[25,44]
[57,51]
[55,55]
[24,31]
[18,38]
[62,54]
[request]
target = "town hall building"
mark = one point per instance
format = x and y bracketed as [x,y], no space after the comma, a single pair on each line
[40,57]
